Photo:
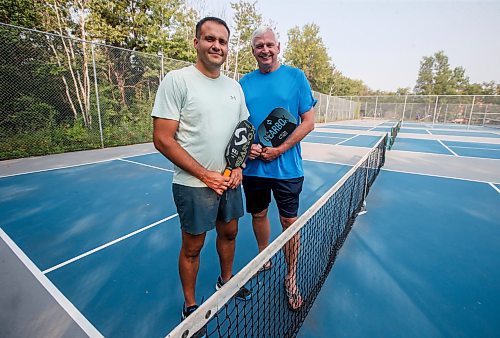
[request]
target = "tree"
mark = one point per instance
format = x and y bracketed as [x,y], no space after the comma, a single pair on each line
[306,50]
[437,78]
[443,75]
[245,21]
[403,91]
[425,80]
[345,86]
[460,80]
[25,13]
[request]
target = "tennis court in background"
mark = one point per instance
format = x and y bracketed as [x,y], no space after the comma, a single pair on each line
[102,239]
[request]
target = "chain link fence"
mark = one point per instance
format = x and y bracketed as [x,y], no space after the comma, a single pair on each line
[59,94]
[478,110]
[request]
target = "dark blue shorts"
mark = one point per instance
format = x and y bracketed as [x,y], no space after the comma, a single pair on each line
[285,191]
[199,208]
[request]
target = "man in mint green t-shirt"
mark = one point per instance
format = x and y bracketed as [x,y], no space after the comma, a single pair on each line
[195,112]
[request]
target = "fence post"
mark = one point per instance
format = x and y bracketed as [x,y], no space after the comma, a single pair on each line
[319,108]
[328,98]
[97,95]
[404,109]
[376,103]
[485,112]
[350,106]
[435,110]
[471,110]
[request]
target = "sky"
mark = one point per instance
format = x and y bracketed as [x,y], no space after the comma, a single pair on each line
[382,42]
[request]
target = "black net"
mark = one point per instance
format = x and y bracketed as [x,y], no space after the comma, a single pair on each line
[301,258]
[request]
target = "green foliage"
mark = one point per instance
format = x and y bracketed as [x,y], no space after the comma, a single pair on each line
[435,77]
[29,114]
[306,50]
[344,86]
[245,21]
[24,13]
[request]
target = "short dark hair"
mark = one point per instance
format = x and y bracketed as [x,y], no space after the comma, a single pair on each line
[210,18]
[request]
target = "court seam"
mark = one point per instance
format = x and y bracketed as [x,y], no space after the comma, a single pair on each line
[444,145]
[146,165]
[101,247]
[439,176]
[57,295]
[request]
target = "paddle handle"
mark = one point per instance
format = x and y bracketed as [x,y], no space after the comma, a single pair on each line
[227,172]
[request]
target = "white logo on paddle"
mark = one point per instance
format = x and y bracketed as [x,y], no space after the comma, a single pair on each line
[237,133]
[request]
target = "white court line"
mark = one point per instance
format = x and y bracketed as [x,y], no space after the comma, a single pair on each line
[438,176]
[146,165]
[350,138]
[343,138]
[476,148]
[72,166]
[99,248]
[494,187]
[428,132]
[327,162]
[57,168]
[70,309]
[444,145]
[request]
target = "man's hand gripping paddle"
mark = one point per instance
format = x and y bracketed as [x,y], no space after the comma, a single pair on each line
[239,145]
[276,127]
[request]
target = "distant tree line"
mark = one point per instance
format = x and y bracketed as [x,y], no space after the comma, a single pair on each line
[436,77]
[167,26]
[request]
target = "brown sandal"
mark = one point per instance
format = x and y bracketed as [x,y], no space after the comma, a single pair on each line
[293,296]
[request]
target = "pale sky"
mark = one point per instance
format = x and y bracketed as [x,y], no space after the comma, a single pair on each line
[382,42]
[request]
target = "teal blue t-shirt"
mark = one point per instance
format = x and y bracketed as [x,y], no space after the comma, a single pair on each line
[288,88]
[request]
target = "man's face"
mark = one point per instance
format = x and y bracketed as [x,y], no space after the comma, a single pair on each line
[266,50]
[211,47]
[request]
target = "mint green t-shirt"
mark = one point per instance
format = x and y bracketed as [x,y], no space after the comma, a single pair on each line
[207,109]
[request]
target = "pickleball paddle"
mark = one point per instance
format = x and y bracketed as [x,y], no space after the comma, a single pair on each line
[239,145]
[276,127]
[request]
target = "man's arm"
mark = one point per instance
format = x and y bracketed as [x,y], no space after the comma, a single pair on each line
[305,127]
[164,141]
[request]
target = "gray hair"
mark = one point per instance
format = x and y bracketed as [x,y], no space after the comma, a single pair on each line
[261,30]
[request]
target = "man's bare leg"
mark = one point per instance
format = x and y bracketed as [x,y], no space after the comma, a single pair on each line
[226,239]
[189,263]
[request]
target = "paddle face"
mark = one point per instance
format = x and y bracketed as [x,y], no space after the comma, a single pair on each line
[239,145]
[276,127]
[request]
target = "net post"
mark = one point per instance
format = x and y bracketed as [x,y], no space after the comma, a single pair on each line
[363,209]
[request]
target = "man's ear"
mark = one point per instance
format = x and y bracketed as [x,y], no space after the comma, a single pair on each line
[195,43]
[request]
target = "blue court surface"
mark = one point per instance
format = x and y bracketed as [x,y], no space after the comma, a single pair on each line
[413,131]
[342,139]
[464,133]
[423,262]
[419,145]
[340,126]
[107,236]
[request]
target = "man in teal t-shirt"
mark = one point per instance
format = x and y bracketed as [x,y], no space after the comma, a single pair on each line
[276,169]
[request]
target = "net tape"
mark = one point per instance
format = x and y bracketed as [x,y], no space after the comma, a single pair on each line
[317,236]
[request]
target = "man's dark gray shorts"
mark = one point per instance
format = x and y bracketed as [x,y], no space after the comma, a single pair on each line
[199,208]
